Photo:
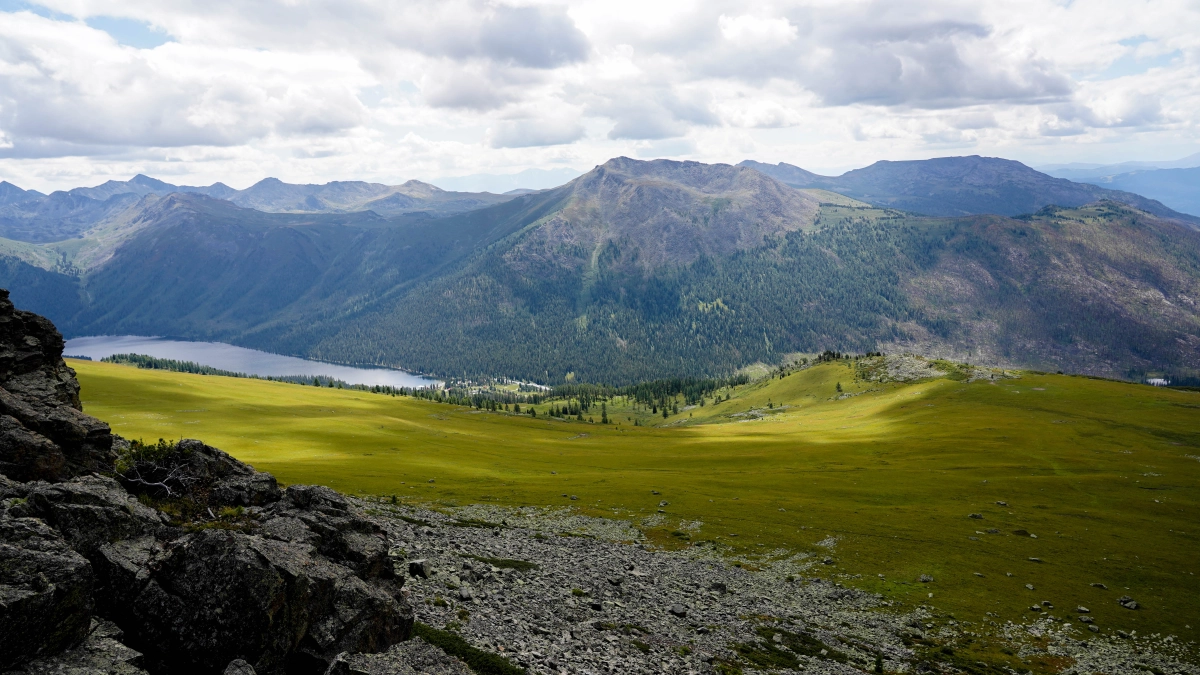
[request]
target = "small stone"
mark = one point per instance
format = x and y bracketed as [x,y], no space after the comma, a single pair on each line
[655,492]
[464,593]
[777,638]
[1127,602]
[678,610]
[1001,503]
[574,498]
[1094,628]
[1035,608]
[978,575]
[992,530]
[1087,619]
[1100,586]
[925,578]
[1123,635]
[430,480]
[976,516]
[1083,610]
[1047,605]
[420,568]
[1029,586]
[663,503]
[1037,560]
[239,667]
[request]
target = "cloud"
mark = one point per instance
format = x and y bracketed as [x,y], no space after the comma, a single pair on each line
[381,90]
[535,132]
[750,32]
[68,86]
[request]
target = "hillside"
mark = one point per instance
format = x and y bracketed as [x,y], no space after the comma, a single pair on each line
[959,186]
[635,270]
[885,473]
[1111,295]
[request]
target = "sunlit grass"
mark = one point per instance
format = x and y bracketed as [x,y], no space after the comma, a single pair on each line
[1104,473]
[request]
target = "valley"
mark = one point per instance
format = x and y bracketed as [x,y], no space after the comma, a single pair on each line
[880,479]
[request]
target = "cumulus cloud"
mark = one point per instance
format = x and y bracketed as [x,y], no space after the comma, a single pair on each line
[228,88]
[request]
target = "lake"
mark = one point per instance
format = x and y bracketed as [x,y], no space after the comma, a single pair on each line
[237,359]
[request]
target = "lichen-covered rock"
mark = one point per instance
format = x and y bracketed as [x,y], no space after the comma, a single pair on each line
[216,595]
[415,657]
[45,592]
[101,653]
[91,511]
[333,527]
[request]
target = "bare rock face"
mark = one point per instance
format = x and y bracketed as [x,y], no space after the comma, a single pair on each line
[44,433]
[45,592]
[190,560]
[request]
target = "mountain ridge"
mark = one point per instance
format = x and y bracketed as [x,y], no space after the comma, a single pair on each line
[634,271]
[961,186]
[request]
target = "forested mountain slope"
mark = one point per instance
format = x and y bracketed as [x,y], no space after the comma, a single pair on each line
[637,270]
[959,186]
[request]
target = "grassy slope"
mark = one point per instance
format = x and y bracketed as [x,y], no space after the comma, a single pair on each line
[1099,470]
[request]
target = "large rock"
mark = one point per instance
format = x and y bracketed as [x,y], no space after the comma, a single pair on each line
[43,432]
[101,653]
[45,592]
[218,595]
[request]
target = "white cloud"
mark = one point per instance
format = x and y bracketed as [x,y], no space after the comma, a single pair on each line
[340,89]
[750,32]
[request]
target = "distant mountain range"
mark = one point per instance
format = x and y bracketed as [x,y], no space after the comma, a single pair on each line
[28,215]
[959,186]
[634,270]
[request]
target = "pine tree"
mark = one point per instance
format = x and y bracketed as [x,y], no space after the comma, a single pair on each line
[604,413]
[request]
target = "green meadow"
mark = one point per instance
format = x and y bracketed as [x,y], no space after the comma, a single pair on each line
[1104,475]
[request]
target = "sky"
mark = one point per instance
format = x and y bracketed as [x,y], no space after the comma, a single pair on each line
[198,91]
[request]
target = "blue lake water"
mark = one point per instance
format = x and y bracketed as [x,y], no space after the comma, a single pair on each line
[237,359]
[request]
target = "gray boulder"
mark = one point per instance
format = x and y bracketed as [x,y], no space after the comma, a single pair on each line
[216,595]
[45,592]
[101,653]
[239,667]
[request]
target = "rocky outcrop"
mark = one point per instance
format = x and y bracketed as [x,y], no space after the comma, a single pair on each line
[120,557]
[45,592]
[44,433]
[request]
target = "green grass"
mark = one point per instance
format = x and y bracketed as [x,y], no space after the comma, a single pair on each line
[1104,473]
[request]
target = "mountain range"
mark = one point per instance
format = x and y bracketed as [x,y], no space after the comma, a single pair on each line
[635,270]
[28,215]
